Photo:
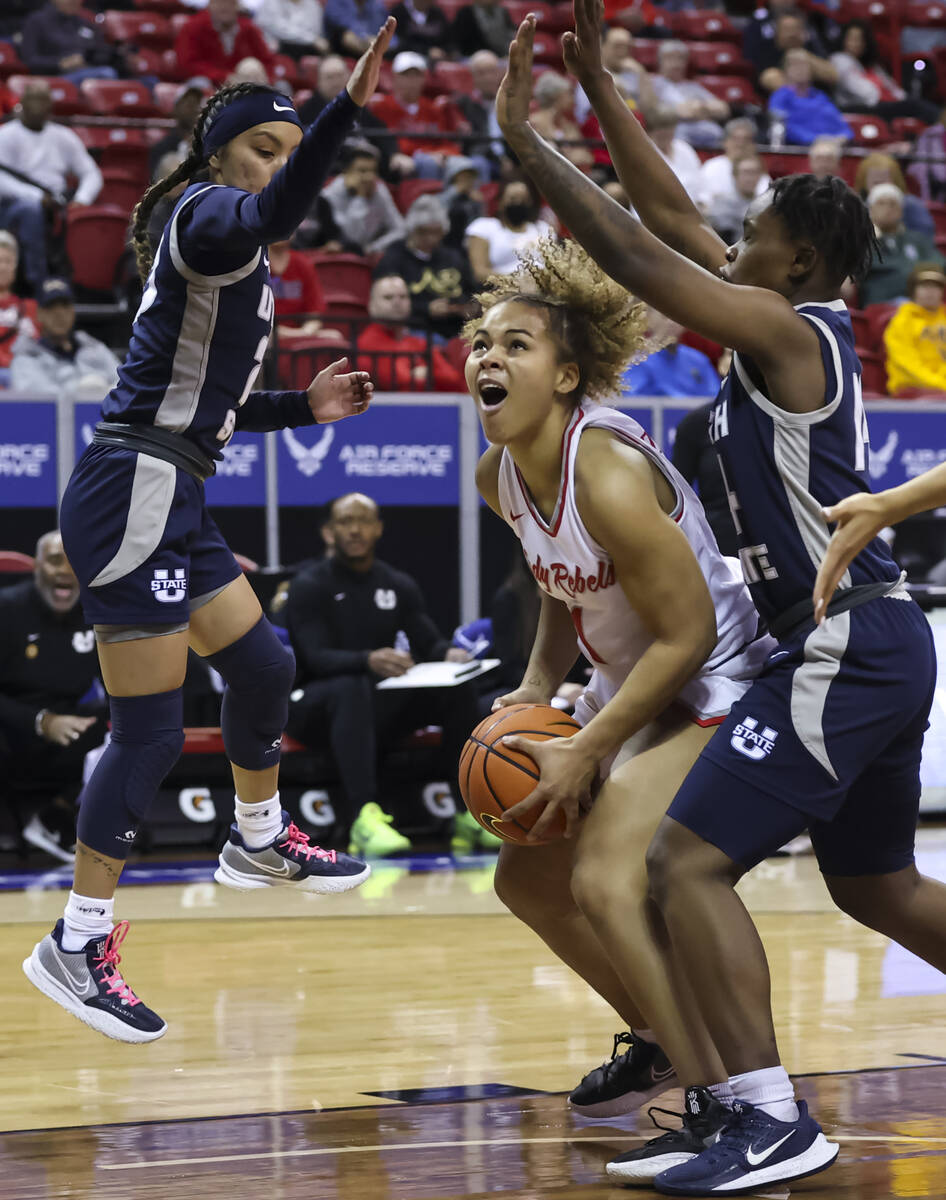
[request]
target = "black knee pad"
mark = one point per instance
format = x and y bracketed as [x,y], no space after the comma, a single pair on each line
[259,672]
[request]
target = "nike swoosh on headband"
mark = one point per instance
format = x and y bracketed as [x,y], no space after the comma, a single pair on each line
[283,107]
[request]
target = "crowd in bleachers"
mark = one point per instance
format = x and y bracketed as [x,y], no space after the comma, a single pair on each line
[101,100]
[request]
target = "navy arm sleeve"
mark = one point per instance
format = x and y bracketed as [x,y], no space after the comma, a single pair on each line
[311,638]
[265,412]
[225,226]
[427,642]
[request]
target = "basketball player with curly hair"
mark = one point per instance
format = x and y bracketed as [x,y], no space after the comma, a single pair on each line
[829,736]
[155,574]
[629,574]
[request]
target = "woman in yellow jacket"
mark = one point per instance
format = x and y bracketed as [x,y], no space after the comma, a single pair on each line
[915,338]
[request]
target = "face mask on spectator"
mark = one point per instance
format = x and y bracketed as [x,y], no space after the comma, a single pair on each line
[518,214]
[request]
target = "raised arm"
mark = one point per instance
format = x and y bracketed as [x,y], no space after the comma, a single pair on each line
[653,188]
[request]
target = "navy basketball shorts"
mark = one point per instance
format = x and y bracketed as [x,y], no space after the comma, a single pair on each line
[828,739]
[140,540]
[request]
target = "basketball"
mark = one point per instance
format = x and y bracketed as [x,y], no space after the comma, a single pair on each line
[494,778]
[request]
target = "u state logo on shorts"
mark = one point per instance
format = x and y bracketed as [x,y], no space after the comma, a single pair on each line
[747,739]
[168,589]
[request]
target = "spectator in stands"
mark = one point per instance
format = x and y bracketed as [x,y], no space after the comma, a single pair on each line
[351,24]
[698,111]
[482,25]
[901,249]
[63,360]
[48,721]
[863,84]
[806,111]
[478,109]
[413,115]
[437,276]
[884,168]
[296,26]
[422,26]
[396,359]
[355,212]
[46,157]
[716,184]
[297,293]
[354,620]
[679,155]
[824,156]
[554,119]
[59,39]
[251,70]
[187,104]
[332,76]
[929,169]
[215,41]
[494,243]
[17,316]
[673,370]
[617,58]
[729,209]
[915,337]
[636,15]
[767,40]
[462,199]
[695,457]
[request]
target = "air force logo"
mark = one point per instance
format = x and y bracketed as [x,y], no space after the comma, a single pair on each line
[309,460]
[748,741]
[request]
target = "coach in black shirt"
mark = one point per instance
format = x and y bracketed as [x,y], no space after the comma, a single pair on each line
[354,620]
[48,665]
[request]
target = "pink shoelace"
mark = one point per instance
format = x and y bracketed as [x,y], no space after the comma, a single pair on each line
[110,958]
[297,842]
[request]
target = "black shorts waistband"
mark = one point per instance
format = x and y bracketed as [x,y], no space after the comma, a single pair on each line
[793,620]
[158,443]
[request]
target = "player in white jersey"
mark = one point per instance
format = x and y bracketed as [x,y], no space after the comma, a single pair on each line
[631,574]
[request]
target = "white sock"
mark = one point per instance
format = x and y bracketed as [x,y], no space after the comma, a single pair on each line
[645,1035]
[769,1089]
[84,918]
[722,1092]
[259,824]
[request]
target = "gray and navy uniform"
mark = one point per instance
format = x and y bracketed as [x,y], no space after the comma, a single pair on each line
[135,527]
[829,736]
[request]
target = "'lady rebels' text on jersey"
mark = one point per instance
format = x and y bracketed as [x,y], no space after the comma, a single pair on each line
[781,468]
[570,566]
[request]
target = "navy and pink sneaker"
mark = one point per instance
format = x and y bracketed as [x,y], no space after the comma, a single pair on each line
[87,984]
[753,1151]
[289,859]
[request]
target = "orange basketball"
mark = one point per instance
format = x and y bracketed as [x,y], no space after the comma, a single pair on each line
[494,778]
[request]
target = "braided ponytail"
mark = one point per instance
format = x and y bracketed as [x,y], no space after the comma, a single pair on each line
[144,256]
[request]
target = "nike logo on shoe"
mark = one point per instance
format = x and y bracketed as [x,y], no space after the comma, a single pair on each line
[283,869]
[660,1076]
[754,1160]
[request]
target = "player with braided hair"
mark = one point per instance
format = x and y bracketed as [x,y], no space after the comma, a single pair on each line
[155,574]
[829,736]
[629,573]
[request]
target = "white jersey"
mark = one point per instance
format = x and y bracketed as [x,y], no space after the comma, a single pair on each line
[570,566]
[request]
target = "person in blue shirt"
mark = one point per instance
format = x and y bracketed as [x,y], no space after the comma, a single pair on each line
[806,112]
[674,370]
[350,24]
[155,575]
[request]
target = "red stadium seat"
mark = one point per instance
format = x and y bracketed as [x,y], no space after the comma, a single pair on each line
[67,100]
[929,14]
[145,29]
[12,562]
[9,61]
[167,8]
[907,129]
[169,66]
[734,89]
[407,191]
[118,146]
[873,371]
[785,164]
[878,318]
[860,325]
[145,62]
[286,68]
[453,77]
[718,58]
[457,351]
[118,98]
[699,26]
[868,129]
[178,21]
[95,243]
[645,52]
[343,274]
[872,11]
[298,366]
[121,188]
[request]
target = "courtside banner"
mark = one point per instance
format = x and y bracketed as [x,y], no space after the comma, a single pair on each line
[27,455]
[397,454]
[904,445]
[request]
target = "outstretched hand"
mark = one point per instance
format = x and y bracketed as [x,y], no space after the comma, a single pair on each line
[859,519]
[363,82]
[515,91]
[333,396]
[581,50]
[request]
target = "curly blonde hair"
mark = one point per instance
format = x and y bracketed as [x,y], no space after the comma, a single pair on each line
[596,323]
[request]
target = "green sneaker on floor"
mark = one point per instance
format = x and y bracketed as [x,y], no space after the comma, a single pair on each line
[470,836]
[372,835]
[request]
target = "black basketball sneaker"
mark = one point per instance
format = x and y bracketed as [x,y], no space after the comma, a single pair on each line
[704,1119]
[626,1081]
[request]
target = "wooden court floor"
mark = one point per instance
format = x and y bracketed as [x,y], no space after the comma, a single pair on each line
[411,1041]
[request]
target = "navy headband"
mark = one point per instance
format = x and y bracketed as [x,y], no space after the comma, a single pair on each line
[256,108]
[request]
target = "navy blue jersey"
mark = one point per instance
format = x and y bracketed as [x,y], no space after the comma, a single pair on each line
[780,468]
[206,313]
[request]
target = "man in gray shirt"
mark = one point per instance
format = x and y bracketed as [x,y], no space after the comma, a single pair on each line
[355,211]
[698,110]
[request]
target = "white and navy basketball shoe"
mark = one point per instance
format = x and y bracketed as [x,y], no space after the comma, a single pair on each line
[703,1121]
[87,984]
[289,859]
[626,1081]
[753,1151]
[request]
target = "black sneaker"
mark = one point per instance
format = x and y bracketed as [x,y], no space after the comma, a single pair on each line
[703,1121]
[626,1082]
[288,860]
